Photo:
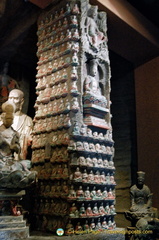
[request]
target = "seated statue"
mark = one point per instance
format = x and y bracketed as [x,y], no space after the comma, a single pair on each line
[13,172]
[91,84]
[141,201]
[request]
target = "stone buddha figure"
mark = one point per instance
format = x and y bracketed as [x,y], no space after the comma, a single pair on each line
[141,197]
[22,123]
[141,202]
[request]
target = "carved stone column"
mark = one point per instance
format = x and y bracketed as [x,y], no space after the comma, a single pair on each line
[72,145]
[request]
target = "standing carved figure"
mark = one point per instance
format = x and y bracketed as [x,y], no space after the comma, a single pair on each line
[95,36]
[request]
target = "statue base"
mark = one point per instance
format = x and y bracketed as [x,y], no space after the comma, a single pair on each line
[12,225]
[96,122]
[95,110]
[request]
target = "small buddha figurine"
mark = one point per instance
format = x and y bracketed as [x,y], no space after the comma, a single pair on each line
[110,225]
[82,211]
[104,224]
[95,162]
[86,227]
[87,194]
[92,225]
[112,210]
[100,162]
[107,209]
[75,130]
[97,177]
[98,148]
[95,210]
[105,163]
[99,194]
[69,230]
[89,212]
[86,146]
[65,189]
[84,176]
[98,225]
[83,130]
[74,75]
[112,181]
[93,193]
[75,9]
[78,228]
[74,213]
[89,132]
[75,47]
[72,193]
[52,191]
[105,193]
[77,175]
[75,61]
[103,178]
[89,162]
[80,193]
[101,210]
[74,104]
[82,161]
[111,164]
[79,146]
[92,147]
[110,194]
[91,177]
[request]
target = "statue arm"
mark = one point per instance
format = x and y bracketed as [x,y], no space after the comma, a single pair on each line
[15,146]
[132,198]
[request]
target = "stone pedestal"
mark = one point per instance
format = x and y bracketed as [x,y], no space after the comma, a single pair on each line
[13,227]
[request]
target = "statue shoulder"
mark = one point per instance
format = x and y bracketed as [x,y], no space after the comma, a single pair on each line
[28,120]
[133,188]
[146,188]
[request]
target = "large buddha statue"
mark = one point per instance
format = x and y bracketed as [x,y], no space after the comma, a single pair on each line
[13,173]
[22,123]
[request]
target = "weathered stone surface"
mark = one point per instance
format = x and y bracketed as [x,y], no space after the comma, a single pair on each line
[14,233]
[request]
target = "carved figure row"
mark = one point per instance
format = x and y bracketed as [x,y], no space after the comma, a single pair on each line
[94,162]
[89,195]
[55,138]
[91,177]
[96,210]
[59,26]
[87,132]
[52,123]
[56,189]
[56,78]
[48,223]
[54,17]
[57,40]
[56,107]
[51,207]
[57,52]
[57,64]
[61,188]
[59,155]
[88,227]
[90,147]
[57,91]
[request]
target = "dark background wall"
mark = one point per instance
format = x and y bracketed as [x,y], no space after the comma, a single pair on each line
[124,131]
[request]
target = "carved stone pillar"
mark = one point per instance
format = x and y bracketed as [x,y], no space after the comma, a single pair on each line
[72,144]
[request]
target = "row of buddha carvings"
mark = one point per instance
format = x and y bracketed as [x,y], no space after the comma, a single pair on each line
[72,146]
